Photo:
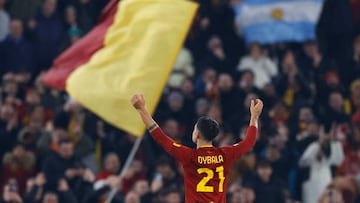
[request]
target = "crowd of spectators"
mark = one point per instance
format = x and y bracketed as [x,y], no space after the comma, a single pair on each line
[308,149]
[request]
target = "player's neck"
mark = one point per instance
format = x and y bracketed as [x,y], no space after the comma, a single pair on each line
[202,143]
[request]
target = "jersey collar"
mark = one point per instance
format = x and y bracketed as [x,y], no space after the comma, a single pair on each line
[203,146]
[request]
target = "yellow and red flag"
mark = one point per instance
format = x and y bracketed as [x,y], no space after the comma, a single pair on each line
[132,49]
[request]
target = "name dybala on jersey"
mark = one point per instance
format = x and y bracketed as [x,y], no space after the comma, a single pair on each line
[205,169]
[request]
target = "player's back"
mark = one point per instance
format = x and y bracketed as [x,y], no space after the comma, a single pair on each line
[205,169]
[205,175]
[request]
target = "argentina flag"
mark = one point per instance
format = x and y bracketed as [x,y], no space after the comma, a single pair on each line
[271,21]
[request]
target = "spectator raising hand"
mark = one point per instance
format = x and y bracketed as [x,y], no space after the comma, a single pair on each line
[10,195]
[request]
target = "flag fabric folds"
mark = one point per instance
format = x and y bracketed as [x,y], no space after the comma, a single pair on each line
[271,21]
[137,55]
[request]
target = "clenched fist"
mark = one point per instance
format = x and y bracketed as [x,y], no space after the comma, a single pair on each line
[256,107]
[138,101]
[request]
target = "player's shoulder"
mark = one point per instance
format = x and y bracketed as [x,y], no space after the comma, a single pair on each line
[227,149]
[230,147]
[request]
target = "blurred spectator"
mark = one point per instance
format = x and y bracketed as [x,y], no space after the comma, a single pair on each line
[77,121]
[291,84]
[23,10]
[35,189]
[355,7]
[355,94]
[47,32]
[280,113]
[111,166]
[174,108]
[136,172]
[82,130]
[320,156]
[142,188]
[351,164]
[354,71]
[215,56]
[49,143]
[269,95]
[165,176]
[30,134]
[10,195]
[278,155]
[205,84]
[241,167]
[335,111]
[100,190]
[15,50]
[247,83]
[201,107]
[240,194]
[172,129]
[132,197]
[71,17]
[49,98]
[308,135]
[328,84]
[312,61]
[171,195]
[228,98]
[62,164]
[187,89]
[334,30]
[267,188]
[183,68]
[8,128]
[50,197]
[331,194]
[65,193]
[74,33]
[4,21]
[19,165]
[87,14]
[261,65]
[304,117]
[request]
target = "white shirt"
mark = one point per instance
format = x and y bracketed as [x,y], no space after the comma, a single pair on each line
[263,68]
[183,67]
[320,171]
[4,24]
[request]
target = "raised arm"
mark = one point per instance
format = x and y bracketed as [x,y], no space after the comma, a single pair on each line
[255,112]
[239,149]
[138,101]
[176,150]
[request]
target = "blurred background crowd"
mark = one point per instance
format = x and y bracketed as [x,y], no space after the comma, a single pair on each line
[52,150]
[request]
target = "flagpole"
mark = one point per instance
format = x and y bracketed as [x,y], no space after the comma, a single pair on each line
[128,162]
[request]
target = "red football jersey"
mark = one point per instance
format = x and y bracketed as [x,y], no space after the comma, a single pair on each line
[206,169]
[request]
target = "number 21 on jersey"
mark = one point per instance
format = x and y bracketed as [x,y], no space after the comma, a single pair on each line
[202,185]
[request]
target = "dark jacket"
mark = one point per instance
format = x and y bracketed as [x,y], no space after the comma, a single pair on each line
[271,192]
[54,168]
[48,36]
[15,55]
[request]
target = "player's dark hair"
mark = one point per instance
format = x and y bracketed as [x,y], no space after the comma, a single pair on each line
[208,128]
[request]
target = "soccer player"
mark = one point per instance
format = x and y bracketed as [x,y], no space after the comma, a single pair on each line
[205,168]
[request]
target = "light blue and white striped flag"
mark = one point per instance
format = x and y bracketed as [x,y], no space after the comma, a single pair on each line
[271,21]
